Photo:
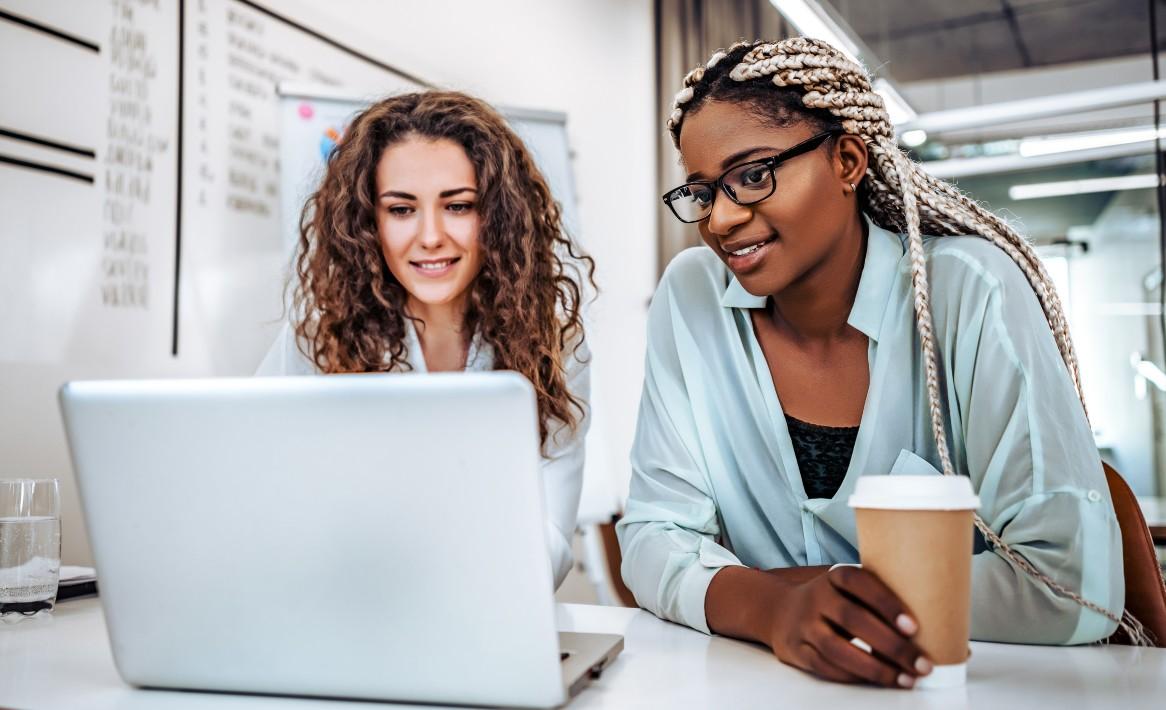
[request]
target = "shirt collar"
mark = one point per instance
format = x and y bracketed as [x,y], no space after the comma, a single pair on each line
[879,272]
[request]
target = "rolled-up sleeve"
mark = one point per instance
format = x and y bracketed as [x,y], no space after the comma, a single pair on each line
[1030,453]
[669,532]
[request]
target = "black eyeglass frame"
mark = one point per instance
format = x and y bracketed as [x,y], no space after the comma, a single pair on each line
[771,163]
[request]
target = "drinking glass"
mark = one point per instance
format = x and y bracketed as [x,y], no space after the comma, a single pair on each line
[30,547]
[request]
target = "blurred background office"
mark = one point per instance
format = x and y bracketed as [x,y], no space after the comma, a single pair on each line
[141,158]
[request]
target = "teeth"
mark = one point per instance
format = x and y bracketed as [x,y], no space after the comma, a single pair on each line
[748,250]
[435,265]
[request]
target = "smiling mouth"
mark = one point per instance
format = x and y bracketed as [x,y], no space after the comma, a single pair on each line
[746,251]
[435,264]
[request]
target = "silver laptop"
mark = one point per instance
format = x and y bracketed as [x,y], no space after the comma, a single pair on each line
[353,536]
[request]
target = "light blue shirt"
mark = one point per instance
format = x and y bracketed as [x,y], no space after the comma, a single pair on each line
[715,481]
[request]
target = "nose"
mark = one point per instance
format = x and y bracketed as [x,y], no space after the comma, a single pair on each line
[727,215]
[432,230]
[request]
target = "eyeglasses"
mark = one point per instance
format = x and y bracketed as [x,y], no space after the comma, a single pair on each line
[746,184]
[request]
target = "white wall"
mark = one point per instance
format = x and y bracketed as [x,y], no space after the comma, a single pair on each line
[593,61]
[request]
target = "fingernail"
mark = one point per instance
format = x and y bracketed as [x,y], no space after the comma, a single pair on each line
[906,624]
[922,665]
[906,681]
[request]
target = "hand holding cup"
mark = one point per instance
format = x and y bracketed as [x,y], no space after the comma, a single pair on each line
[814,631]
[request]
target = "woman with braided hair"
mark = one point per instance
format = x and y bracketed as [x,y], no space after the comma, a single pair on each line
[433,243]
[820,337]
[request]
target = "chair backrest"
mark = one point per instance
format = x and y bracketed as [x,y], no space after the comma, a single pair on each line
[615,561]
[1145,591]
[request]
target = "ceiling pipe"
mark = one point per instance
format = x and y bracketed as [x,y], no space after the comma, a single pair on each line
[1040,107]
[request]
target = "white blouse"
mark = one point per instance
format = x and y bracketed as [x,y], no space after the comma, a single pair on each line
[562,463]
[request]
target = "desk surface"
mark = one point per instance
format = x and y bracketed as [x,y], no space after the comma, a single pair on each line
[64,662]
[1154,510]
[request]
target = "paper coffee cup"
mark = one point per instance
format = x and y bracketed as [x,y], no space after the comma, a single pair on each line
[915,533]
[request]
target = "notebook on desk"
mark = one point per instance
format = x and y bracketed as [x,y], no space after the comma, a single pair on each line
[76,583]
[359,536]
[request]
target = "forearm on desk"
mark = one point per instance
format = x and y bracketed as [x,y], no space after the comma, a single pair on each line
[742,602]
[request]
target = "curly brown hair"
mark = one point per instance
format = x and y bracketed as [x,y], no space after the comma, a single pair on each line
[525,302]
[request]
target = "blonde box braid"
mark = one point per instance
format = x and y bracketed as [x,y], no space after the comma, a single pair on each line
[901,197]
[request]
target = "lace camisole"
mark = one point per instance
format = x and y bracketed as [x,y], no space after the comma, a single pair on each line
[823,454]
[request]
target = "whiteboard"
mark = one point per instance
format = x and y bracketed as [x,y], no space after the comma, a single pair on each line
[142,213]
[87,180]
[233,259]
[139,207]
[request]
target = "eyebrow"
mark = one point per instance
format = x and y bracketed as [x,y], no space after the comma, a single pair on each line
[738,157]
[443,194]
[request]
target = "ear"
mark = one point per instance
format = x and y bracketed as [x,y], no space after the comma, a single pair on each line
[850,158]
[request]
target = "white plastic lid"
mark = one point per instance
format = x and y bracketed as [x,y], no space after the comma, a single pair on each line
[914,493]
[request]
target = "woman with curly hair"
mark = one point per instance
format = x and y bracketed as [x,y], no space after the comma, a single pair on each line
[851,315]
[433,244]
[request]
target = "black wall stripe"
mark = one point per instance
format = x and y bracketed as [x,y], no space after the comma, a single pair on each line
[46,168]
[48,143]
[178,161]
[50,31]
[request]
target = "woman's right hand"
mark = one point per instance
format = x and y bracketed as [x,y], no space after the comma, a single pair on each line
[816,619]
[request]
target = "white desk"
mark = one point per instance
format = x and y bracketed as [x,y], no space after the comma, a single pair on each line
[1154,511]
[65,663]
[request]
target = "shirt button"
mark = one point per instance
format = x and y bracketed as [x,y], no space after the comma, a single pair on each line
[1093,496]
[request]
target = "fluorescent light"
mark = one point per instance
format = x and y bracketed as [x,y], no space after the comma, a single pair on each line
[912,139]
[995,164]
[1084,141]
[811,20]
[1080,187]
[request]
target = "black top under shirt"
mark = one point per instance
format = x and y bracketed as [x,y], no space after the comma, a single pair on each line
[823,454]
